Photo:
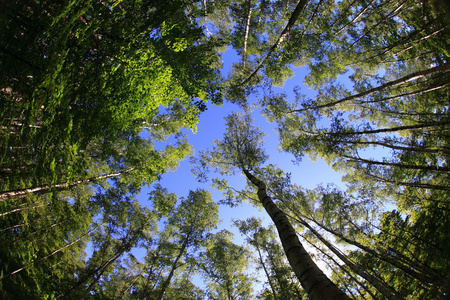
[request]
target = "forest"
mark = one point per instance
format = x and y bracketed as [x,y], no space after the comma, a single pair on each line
[97,98]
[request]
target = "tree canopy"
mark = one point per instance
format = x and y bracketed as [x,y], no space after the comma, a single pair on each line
[97,99]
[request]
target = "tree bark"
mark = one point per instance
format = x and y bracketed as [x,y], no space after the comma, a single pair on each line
[247,28]
[316,284]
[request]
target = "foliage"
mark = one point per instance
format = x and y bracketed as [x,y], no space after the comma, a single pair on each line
[94,99]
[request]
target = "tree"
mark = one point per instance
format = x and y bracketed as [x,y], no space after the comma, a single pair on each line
[98,71]
[224,265]
[187,226]
[241,149]
[280,278]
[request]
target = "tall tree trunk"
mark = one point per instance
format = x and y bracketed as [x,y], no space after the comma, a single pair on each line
[247,29]
[396,165]
[281,286]
[5,245]
[416,75]
[378,284]
[422,149]
[409,184]
[172,270]
[128,242]
[316,284]
[423,125]
[102,270]
[266,272]
[295,14]
[405,41]
[433,277]
[58,186]
[20,209]
[51,254]
[121,295]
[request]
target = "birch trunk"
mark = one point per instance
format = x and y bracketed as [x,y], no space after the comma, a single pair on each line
[316,284]
[247,28]
[51,254]
[58,186]
[295,14]
[379,285]
[433,277]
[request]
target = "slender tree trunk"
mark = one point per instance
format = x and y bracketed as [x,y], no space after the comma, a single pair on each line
[247,29]
[343,12]
[172,270]
[313,280]
[13,226]
[58,186]
[127,242]
[129,286]
[396,147]
[379,285]
[410,184]
[51,254]
[403,40]
[424,125]
[427,89]
[282,287]
[20,209]
[150,271]
[416,264]
[342,268]
[102,270]
[5,245]
[396,165]
[395,12]
[295,14]
[433,277]
[206,18]
[355,19]
[416,75]
[266,272]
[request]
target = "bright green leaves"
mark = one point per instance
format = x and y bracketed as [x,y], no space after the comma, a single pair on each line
[102,71]
[82,80]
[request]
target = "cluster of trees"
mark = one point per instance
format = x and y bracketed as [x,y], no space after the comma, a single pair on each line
[88,87]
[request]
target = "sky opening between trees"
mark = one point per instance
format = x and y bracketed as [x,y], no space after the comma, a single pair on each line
[100,100]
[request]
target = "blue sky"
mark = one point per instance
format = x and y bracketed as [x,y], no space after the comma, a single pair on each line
[211,127]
